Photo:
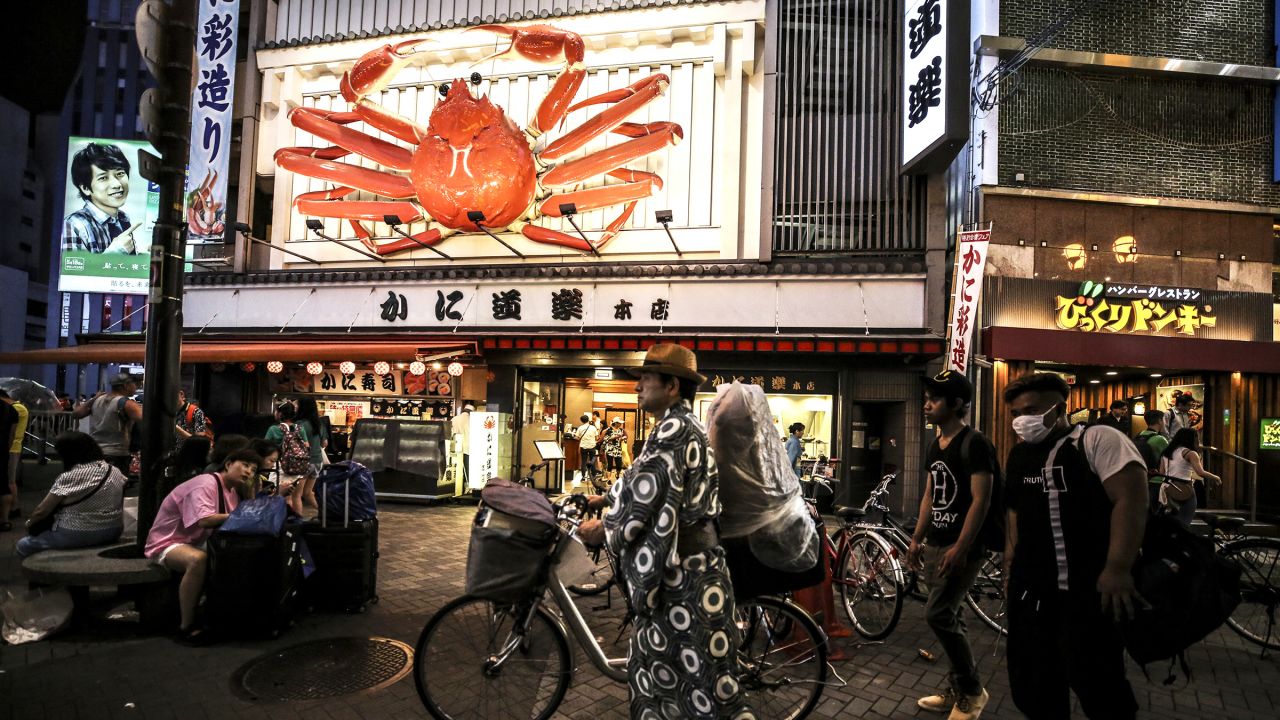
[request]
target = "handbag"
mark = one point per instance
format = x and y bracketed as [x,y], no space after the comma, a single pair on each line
[45,523]
[259,516]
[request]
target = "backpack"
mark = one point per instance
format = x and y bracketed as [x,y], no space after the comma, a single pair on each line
[295,458]
[992,533]
[1189,591]
[1149,455]
[190,414]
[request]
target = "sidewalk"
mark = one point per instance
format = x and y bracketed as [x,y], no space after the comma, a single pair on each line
[115,672]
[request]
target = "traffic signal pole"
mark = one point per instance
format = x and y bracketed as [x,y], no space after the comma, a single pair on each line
[168,37]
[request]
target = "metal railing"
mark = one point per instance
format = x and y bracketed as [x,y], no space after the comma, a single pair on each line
[42,428]
[1252,467]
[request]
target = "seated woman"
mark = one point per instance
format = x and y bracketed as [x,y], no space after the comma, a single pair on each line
[268,477]
[85,500]
[186,519]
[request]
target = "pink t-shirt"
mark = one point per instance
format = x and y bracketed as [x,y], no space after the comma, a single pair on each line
[188,504]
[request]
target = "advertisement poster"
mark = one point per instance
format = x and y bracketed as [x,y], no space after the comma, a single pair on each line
[109,211]
[971,263]
[1269,434]
[206,196]
[1165,396]
[483,452]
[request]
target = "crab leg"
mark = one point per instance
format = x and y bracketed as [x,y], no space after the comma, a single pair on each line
[331,126]
[374,181]
[629,99]
[546,44]
[330,153]
[430,236]
[658,135]
[325,203]
[639,185]
[371,74]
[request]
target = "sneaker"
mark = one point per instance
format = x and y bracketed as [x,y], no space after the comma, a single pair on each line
[969,707]
[940,703]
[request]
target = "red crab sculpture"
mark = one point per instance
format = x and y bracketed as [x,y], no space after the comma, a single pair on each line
[472,157]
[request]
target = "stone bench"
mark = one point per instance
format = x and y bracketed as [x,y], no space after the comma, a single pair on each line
[120,565]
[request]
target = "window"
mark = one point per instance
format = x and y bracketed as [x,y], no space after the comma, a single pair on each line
[37,308]
[25,247]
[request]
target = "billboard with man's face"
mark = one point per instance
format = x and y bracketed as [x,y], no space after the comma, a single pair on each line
[109,213]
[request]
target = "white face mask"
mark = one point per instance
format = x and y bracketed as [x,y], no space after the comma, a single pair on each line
[1032,428]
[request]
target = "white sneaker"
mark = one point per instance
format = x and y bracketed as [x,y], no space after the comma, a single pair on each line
[969,707]
[944,702]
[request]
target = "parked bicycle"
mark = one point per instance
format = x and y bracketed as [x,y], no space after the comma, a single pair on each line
[479,659]
[866,553]
[1258,558]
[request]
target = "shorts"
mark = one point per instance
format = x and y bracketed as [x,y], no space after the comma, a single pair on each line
[159,559]
[612,462]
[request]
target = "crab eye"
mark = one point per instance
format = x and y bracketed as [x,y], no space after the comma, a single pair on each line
[444,89]
[475,78]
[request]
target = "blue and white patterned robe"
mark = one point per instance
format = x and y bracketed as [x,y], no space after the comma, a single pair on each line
[683,657]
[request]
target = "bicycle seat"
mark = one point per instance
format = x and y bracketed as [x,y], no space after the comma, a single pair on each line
[1225,523]
[849,514]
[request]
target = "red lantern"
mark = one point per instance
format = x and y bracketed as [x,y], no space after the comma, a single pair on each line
[381,367]
[455,369]
[315,368]
[275,367]
[248,367]
[347,367]
[418,368]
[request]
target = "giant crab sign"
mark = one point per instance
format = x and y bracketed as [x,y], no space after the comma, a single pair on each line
[471,157]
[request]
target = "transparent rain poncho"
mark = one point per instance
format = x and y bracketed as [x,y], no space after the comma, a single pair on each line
[759,492]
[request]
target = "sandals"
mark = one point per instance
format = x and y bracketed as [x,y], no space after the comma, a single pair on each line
[194,637]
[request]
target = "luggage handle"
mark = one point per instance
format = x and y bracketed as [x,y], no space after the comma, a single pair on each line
[324,505]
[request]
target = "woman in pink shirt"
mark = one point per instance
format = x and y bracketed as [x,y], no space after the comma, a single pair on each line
[186,519]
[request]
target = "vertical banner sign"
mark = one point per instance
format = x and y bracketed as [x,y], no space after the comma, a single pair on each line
[484,449]
[206,195]
[64,321]
[935,89]
[971,262]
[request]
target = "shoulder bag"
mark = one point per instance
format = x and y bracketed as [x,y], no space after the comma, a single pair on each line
[45,523]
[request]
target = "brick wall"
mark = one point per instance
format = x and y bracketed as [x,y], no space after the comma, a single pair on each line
[1237,31]
[1161,136]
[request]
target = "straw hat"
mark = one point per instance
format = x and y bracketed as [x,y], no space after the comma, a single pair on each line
[670,359]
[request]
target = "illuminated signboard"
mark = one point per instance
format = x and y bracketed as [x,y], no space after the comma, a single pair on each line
[1090,311]
[1269,434]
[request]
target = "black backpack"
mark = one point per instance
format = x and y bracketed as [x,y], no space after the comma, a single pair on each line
[1189,590]
[1148,453]
[992,533]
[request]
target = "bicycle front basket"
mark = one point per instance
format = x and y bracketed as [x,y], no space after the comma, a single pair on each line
[509,553]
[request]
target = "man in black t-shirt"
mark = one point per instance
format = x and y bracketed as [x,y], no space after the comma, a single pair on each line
[1077,508]
[946,546]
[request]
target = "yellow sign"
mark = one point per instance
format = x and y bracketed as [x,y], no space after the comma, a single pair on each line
[1089,314]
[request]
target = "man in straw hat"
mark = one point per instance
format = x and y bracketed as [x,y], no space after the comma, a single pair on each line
[661,526]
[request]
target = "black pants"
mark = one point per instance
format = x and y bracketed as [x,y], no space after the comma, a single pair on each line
[1061,642]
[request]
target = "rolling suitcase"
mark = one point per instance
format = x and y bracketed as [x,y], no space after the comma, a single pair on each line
[253,582]
[345,559]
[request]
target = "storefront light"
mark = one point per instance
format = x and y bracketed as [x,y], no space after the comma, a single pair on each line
[346,367]
[381,367]
[418,368]
[1156,375]
[1075,255]
[455,369]
[1111,372]
[1094,381]
[436,366]
[248,367]
[314,368]
[275,367]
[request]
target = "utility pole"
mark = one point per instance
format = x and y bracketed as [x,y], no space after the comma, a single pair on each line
[166,37]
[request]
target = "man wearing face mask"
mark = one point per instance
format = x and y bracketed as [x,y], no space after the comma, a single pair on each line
[1077,505]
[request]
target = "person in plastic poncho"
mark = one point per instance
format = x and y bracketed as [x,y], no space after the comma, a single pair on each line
[683,660]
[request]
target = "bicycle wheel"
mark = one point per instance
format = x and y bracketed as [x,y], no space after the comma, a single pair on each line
[783,658]
[601,577]
[986,595]
[871,582]
[1259,562]
[474,659]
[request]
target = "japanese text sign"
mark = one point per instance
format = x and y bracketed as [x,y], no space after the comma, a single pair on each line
[934,98]
[1269,434]
[484,447]
[971,261]
[211,105]
[1094,309]
[364,381]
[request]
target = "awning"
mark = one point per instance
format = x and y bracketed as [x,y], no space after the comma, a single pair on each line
[210,351]
[1173,353]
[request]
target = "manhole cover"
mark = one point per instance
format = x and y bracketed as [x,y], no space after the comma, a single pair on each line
[323,669]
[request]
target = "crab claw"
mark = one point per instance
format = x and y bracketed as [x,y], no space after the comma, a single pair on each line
[375,69]
[545,44]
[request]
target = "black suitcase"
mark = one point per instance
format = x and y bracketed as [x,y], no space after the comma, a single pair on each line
[345,559]
[252,586]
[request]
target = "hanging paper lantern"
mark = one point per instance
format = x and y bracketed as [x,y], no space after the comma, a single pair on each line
[381,367]
[455,369]
[275,367]
[418,368]
[315,368]
[347,367]
[248,367]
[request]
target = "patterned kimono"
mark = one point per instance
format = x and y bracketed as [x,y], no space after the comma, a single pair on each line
[683,656]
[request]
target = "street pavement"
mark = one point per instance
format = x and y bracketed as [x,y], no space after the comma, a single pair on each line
[113,670]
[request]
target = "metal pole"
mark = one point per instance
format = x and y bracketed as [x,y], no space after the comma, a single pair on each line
[164,331]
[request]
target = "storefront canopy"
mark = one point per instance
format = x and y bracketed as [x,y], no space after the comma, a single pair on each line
[209,351]
[1173,353]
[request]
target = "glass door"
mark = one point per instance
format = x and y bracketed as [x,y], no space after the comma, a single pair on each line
[541,423]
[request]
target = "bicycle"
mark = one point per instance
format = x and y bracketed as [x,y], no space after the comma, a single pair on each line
[866,566]
[479,659]
[1258,558]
